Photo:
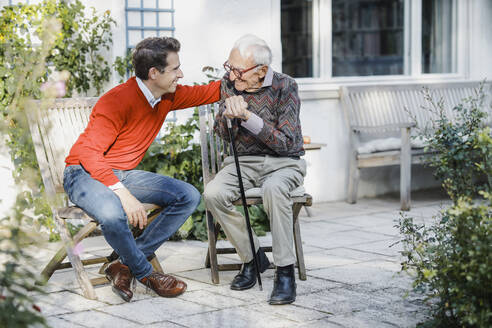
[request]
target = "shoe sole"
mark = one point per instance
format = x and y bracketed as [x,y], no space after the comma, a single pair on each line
[245,287]
[281,302]
[118,292]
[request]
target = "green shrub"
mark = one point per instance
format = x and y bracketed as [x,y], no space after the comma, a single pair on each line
[451,259]
[78,47]
[454,137]
[18,276]
[452,263]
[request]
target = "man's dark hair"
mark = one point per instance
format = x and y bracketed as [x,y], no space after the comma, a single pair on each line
[152,52]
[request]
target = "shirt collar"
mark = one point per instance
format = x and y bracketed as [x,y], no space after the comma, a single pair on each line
[148,95]
[267,82]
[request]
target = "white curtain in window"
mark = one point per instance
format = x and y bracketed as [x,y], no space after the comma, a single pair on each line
[437,36]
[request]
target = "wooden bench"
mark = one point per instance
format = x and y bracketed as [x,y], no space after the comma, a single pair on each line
[214,150]
[381,119]
[54,128]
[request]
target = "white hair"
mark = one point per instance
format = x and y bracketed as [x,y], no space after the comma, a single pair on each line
[250,45]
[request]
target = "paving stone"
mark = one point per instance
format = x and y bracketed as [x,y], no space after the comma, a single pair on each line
[321,323]
[353,279]
[388,230]
[252,295]
[362,319]
[164,324]
[99,319]
[323,259]
[356,274]
[362,221]
[48,309]
[313,285]
[290,311]
[326,226]
[356,254]
[203,275]
[234,318]
[389,247]
[342,238]
[70,301]
[56,322]
[156,309]
[378,318]
[337,301]
[209,298]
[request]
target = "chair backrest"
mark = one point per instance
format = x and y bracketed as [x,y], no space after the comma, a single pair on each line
[390,105]
[214,148]
[54,130]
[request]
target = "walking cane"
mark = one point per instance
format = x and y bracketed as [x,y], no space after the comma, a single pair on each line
[245,206]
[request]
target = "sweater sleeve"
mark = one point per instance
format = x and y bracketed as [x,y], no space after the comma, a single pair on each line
[105,123]
[281,137]
[191,96]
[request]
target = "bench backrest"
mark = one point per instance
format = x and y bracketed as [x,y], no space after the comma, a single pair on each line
[54,130]
[390,105]
[214,148]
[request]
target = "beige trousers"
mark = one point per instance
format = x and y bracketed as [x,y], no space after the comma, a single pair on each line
[277,177]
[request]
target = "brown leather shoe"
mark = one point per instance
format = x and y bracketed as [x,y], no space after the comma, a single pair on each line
[121,279]
[164,285]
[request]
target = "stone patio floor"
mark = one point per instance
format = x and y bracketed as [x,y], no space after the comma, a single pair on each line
[353,279]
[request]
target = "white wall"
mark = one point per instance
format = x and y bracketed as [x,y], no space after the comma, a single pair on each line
[481,40]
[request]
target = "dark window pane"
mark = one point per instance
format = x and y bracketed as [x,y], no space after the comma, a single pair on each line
[297,37]
[367,37]
[437,34]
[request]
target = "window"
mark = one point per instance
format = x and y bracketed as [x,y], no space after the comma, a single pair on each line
[297,38]
[363,38]
[146,18]
[367,37]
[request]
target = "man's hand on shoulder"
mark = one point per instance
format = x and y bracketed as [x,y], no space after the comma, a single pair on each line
[133,208]
[236,107]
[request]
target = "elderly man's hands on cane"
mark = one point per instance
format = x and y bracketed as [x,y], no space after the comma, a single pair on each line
[236,107]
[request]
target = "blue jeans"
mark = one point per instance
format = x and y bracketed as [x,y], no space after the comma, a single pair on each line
[179,199]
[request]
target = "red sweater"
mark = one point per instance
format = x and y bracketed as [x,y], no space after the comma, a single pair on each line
[122,126]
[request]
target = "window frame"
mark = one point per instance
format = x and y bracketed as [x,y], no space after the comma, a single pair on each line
[412,70]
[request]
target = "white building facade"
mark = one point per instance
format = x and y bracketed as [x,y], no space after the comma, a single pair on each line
[324,44]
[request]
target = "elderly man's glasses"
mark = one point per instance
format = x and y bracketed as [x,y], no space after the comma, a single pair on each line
[238,72]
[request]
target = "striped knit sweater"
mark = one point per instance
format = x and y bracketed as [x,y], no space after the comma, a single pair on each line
[278,105]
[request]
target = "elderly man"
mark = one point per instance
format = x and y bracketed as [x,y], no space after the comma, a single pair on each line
[268,137]
[100,175]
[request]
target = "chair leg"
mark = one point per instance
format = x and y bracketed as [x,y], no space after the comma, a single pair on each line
[405,169]
[298,242]
[156,264]
[212,249]
[80,273]
[309,213]
[55,261]
[58,258]
[353,179]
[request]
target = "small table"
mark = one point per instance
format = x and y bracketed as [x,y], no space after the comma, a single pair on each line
[307,147]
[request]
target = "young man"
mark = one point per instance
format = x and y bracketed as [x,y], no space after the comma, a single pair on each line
[100,176]
[269,144]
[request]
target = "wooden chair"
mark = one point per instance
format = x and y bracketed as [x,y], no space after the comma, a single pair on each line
[214,150]
[54,130]
[380,120]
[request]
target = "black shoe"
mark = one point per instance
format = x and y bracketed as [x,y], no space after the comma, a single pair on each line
[284,286]
[246,278]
